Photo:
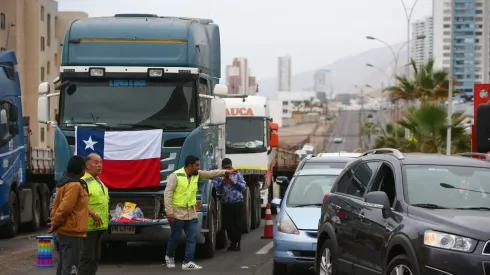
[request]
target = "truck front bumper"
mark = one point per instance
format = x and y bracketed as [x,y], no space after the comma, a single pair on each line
[148,232]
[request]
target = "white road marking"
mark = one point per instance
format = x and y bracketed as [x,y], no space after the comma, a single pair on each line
[265,249]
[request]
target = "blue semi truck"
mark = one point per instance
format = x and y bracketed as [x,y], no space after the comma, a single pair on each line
[137,72]
[26,173]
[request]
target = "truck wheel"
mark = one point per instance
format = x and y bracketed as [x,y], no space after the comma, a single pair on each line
[36,209]
[221,239]
[247,212]
[258,206]
[11,229]
[253,204]
[210,244]
[45,198]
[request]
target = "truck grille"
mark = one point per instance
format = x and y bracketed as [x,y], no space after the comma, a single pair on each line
[486,249]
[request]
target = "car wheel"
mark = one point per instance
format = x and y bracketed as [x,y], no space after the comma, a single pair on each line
[400,265]
[279,268]
[327,259]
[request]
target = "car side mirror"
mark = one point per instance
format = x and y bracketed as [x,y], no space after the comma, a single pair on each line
[276,203]
[378,199]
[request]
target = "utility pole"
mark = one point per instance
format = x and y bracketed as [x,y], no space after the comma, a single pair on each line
[450,92]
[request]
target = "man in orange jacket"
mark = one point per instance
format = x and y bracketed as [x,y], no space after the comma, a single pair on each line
[69,216]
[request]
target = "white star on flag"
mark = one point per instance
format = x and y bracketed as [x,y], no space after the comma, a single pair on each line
[90,143]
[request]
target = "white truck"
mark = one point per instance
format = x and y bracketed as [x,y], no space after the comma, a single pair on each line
[251,141]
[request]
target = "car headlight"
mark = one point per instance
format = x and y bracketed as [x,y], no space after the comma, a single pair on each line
[448,241]
[286,225]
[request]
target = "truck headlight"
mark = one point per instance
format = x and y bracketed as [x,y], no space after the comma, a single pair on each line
[286,225]
[448,241]
[155,72]
[97,71]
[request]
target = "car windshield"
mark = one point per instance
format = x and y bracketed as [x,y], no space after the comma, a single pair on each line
[448,186]
[245,135]
[325,165]
[130,104]
[309,190]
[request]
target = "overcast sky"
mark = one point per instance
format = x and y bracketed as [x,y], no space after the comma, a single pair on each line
[314,32]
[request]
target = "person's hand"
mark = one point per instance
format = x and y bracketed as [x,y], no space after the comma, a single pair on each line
[51,229]
[170,218]
[97,220]
[231,172]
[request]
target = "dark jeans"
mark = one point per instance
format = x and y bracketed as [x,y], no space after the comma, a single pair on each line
[91,251]
[232,220]
[69,254]
[190,229]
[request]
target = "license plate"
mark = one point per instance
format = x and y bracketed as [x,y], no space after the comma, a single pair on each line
[125,230]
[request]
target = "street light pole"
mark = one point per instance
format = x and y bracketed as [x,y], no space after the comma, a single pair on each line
[450,90]
[408,15]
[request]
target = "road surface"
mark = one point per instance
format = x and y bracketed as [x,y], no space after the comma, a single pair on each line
[255,258]
[347,128]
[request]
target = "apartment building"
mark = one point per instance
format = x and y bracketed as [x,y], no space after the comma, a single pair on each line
[239,79]
[35,29]
[422,49]
[471,22]
[284,73]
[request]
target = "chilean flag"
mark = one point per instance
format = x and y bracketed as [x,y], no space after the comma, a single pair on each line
[131,158]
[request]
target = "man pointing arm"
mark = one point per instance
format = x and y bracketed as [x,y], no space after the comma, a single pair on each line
[180,201]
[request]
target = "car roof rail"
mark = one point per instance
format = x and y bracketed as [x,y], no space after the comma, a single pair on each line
[473,154]
[395,152]
[309,156]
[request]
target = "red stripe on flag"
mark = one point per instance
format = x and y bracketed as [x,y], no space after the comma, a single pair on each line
[131,173]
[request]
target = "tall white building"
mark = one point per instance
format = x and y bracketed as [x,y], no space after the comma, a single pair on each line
[422,49]
[471,40]
[284,73]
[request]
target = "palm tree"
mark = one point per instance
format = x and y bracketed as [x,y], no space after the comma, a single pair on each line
[426,83]
[428,125]
[297,105]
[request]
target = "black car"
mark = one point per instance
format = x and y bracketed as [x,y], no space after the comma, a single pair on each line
[319,162]
[407,214]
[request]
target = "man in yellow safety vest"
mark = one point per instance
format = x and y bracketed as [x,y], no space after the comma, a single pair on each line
[98,220]
[180,201]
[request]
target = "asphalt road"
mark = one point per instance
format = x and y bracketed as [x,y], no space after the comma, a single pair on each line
[255,258]
[347,128]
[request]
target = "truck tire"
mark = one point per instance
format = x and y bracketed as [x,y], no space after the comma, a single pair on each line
[35,224]
[11,229]
[209,246]
[247,211]
[45,198]
[255,205]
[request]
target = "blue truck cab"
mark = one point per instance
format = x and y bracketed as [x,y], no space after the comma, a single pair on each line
[136,72]
[26,176]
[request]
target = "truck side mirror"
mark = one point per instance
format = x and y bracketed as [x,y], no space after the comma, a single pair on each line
[274,126]
[43,88]
[220,89]
[43,109]
[218,112]
[274,141]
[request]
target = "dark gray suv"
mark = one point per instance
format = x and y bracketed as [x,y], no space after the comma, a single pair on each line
[397,213]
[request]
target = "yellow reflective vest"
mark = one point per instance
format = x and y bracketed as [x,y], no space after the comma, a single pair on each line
[98,201]
[185,192]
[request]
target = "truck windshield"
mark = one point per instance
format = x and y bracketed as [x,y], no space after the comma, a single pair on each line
[245,135]
[128,104]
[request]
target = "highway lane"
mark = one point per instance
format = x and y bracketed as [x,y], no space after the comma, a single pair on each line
[255,258]
[347,128]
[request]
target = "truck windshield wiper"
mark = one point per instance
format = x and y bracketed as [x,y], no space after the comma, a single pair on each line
[308,204]
[429,205]
[473,208]
[140,126]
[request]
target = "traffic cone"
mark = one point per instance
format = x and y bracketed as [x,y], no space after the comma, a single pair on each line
[268,228]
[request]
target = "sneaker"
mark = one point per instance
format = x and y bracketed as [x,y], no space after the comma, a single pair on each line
[170,262]
[191,266]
